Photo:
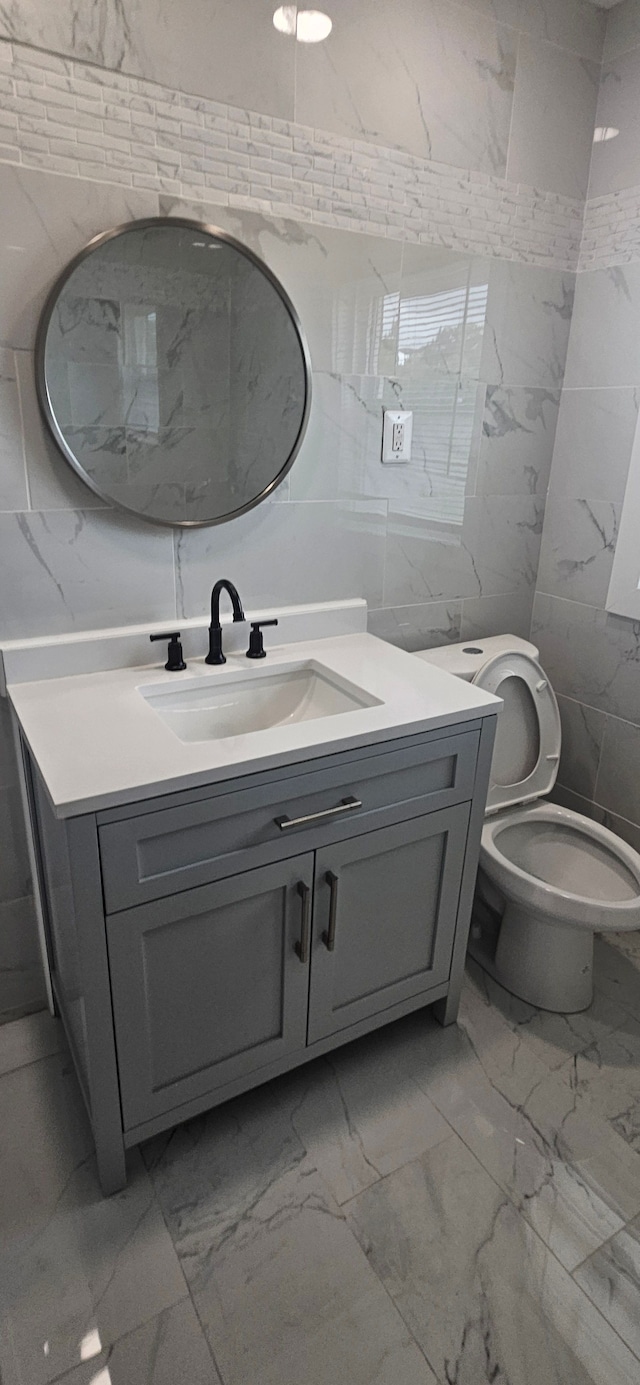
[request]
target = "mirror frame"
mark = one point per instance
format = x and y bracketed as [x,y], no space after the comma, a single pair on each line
[42,391]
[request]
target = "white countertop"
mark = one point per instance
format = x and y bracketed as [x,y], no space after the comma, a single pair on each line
[99,744]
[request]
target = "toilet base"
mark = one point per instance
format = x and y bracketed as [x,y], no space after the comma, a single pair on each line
[547,964]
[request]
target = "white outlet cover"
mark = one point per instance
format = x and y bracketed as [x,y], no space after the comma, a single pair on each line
[397,428]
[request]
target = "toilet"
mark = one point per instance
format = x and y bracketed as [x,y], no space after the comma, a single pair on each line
[549,878]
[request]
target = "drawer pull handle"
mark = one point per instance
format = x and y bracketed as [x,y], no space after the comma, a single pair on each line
[302,948]
[329,938]
[348,805]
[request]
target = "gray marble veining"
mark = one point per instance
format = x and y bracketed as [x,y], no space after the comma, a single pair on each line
[73,1264]
[333,547]
[53,485]
[44,222]
[611,1278]
[168,1348]
[490,1302]
[518,432]
[527,326]
[82,569]
[411,80]
[344,285]
[418,627]
[405,1212]
[589,655]
[262,1242]
[155,42]
[617,966]
[494,550]
[577,550]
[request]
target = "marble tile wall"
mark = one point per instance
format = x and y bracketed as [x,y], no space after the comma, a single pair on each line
[83,121]
[611,232]
[593,657]
[456,193]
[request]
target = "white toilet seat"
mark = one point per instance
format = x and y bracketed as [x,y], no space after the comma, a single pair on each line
[528,738]
[549,878]
[574,847]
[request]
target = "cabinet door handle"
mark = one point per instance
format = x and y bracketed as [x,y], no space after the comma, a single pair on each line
[348,805]
[329,938]
[302,948]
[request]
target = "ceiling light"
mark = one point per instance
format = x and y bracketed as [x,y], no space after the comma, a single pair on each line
[312,26]
[308,26]
[604,132]
[284,19]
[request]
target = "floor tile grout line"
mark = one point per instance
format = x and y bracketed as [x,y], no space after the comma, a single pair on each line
[110,1346]
[521,1215]
[598,1249]
[187,1285]
[383,1177]
[393,1303]
[570,1273]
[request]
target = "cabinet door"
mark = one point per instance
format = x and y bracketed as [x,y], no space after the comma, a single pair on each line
[384,918]
[209,985]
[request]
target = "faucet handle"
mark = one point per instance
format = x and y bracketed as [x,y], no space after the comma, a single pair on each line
[175,662]
[256,648]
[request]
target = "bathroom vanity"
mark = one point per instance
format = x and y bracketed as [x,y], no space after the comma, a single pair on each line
[219,910]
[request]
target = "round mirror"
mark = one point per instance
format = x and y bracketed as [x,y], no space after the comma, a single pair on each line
[173,372]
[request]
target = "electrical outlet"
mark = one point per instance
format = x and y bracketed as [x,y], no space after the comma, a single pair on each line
[397,427]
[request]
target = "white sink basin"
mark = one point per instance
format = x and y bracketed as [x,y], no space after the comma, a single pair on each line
[234,703]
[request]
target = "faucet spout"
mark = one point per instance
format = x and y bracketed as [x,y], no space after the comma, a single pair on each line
[215,655]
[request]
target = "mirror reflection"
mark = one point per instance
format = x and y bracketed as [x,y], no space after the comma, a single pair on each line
[173,372]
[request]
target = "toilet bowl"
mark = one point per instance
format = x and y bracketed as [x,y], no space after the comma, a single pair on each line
[549,877]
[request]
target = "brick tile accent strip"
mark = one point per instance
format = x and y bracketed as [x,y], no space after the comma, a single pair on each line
[71,118]
[611,232]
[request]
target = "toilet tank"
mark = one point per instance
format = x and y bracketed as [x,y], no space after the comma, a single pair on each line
[465,658]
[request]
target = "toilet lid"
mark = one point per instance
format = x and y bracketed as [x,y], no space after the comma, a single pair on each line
[528,738]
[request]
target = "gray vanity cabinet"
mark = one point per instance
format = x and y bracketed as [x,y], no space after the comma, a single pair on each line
[209,985]
[207,940]
[384,918]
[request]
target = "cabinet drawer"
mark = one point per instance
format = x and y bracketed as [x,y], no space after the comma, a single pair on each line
[160,853]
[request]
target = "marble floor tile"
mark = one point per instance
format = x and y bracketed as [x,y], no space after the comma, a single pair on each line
[611,1278]
[362,1116]
[425,1206]
[279,1282]
[480,1292]
[616,971]
[171,1348]
[552,1037]
[26,1040]
[573,1209]
[569,1174]
[44,1137]
[606,1079]
[72,1262]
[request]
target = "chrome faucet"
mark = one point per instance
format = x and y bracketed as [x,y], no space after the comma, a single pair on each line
[215,655]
